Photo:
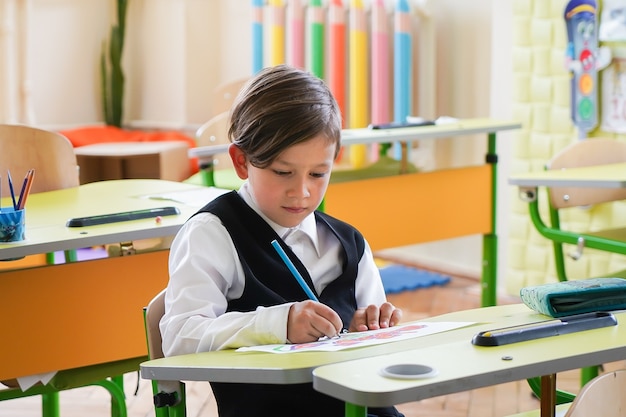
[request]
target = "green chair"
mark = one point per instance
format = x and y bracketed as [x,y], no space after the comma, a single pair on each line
[588,152]
[169,396]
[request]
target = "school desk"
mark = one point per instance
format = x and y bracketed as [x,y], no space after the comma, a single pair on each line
[73,315]
[600,176]
[446,203]
[461,365]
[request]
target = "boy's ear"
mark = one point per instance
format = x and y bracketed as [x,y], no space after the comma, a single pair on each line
[240,161]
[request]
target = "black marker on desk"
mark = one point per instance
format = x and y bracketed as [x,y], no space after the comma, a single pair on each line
[538,330]
[122,217]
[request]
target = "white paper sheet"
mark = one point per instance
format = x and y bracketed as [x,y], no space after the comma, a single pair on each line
[360,339]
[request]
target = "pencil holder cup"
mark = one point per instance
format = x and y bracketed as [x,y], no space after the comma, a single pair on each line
[12,225]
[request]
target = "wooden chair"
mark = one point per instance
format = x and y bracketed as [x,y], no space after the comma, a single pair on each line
[52,156]
[588,152]
[216,170]
[224,95]
[169,396]
[49,153]
[602,396]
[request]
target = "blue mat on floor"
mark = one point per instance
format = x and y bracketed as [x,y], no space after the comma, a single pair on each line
[398,278]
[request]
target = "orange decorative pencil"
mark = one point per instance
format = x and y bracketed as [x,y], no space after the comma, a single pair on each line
[337,54]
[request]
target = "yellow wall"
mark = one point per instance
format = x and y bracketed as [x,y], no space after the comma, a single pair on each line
[541,102]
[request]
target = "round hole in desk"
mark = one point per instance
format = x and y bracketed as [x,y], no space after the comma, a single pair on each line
[408,371]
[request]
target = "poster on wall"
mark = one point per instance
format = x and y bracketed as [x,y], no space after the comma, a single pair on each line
[614,97]
[613,21]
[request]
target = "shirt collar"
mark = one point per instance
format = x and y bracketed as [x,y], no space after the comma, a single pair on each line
[308,226]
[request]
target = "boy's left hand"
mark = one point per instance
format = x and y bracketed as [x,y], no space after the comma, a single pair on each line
[374,317]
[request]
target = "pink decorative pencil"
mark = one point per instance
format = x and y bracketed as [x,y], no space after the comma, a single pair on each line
[380,68]
[295,38]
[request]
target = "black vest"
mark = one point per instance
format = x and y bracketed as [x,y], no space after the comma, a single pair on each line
[269,282]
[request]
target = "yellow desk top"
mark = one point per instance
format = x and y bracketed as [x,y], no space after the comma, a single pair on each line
[603,176]
[365,135]
[461,366]
[261,367]
[459,128]
[48,212]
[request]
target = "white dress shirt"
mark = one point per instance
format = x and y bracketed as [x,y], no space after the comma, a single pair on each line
[205,272]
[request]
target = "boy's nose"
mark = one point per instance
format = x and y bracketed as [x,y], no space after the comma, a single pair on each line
[300,188]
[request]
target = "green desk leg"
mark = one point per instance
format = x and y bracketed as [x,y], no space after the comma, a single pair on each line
[490,241]
[50,404]
[587,374]
[207,174]
[353,410]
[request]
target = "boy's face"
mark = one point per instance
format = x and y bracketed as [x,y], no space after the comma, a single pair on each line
[293,186]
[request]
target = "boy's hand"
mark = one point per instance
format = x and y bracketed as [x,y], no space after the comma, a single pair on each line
[310,320]
[374,318]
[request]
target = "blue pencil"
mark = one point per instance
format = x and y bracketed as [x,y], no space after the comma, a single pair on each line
[293,270]
[257,35]
[402,66]
[11,190]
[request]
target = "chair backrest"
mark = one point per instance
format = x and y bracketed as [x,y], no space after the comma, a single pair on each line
[583,153]
[153,313]
[225,93]
[602,396]
[215,132]
[49,153]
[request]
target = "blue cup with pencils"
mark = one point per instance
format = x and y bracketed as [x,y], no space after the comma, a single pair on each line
[12,225]
[13,219]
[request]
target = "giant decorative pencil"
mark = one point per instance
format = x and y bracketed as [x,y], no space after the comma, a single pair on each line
[257,35]
[277,30]
[295,37]
[380,68]
[316,36]
[401,66]
[337,53]
[358,83]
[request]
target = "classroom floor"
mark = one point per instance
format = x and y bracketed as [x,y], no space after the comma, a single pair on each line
[461,293]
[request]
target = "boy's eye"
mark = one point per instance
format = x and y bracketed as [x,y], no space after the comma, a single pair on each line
[318,174]
[281,173]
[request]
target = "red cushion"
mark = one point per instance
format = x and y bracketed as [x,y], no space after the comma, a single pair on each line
[92,135]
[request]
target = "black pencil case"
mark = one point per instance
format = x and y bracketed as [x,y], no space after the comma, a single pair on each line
[576,297]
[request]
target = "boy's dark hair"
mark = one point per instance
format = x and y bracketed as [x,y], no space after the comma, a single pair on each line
[280,107]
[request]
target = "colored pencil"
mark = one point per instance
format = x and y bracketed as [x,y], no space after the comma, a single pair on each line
[11,190]
[277,30]
[337,53]
[380,68]
[316,35]
[257,35]
[28,182]
[295,38]
[358,83]
[402,66]
[293,270]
